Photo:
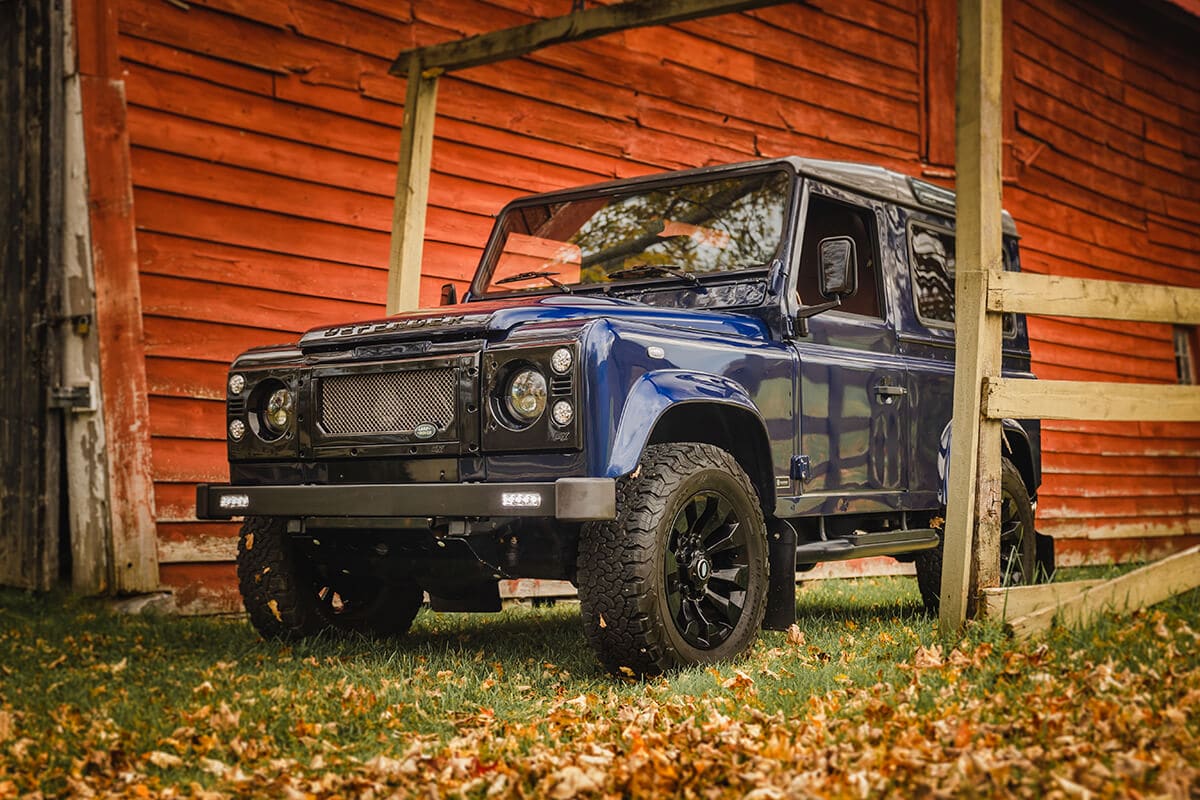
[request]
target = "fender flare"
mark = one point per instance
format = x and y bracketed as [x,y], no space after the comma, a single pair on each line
[1008,427]
[656,392]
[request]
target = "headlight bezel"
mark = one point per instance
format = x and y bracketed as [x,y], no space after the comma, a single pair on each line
[505,430]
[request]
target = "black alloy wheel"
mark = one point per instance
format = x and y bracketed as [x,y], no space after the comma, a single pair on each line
[707,570]
[680,576]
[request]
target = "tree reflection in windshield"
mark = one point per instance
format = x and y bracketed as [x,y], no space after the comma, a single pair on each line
[715,226]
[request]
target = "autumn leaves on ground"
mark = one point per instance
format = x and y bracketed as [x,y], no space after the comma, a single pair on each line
[859,700]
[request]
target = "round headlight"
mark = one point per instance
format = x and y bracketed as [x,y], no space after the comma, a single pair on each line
[560,362]
[526,395]
[236,384]
[562,413]
[237,429]
[278,412]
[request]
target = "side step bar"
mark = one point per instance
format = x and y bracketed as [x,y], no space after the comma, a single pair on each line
[862,545]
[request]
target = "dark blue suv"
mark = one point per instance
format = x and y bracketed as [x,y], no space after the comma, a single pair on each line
[675,391]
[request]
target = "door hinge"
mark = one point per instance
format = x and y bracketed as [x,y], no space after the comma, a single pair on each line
[76,398]
[801,468]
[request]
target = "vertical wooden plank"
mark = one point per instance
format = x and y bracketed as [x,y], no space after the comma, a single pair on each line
[412,190]
[30,230]
[134,545]
[83,431]
[939,42]
[972,519]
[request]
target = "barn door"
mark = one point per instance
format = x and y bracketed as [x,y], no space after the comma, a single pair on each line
[30,191]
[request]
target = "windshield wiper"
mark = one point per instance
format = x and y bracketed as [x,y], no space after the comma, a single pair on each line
[649,270]
[545,275]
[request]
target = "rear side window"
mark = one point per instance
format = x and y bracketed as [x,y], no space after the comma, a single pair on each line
[931,260]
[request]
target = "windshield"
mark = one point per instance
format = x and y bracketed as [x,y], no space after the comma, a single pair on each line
[676,232]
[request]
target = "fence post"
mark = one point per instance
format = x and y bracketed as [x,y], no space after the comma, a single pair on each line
[412,190]
[971,556]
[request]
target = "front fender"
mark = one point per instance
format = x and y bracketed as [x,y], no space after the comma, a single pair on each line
[653,394]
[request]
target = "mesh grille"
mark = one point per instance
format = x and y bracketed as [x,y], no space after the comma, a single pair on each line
[387,402]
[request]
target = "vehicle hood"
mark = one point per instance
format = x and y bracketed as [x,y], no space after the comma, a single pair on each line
[495,319]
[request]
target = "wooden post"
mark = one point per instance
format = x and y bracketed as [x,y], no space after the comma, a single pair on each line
[124,396]
[971,557]
[412,189]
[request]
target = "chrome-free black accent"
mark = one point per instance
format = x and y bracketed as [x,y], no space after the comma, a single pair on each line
[457,437]
[862,545]
[575,499]
[500,434]
[707,569]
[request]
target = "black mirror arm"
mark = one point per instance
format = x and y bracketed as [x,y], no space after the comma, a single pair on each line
[803,314]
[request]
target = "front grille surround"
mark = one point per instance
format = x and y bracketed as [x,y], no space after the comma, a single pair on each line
[395,402]
[398,407]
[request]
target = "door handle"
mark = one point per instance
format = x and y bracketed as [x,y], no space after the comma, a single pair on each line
[886,391]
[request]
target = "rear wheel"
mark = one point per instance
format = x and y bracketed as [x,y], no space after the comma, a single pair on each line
[1018,542]
[288,597]
[680,577]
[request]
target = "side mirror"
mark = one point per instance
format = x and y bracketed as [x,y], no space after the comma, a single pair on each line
[839,266]
[449,294]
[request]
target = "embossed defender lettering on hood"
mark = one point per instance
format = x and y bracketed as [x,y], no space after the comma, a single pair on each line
[471,319]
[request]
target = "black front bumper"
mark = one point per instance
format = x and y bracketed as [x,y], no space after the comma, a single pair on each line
[567,499]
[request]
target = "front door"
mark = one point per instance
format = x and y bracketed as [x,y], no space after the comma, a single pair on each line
[853,397]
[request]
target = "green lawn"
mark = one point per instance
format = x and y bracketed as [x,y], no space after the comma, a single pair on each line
[861,699]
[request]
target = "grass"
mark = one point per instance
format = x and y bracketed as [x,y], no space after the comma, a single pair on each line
[861,698]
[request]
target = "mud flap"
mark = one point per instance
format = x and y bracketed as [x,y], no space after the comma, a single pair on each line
[781,586]
[1045,557]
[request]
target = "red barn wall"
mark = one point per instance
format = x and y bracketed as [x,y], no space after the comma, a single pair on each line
[264,138]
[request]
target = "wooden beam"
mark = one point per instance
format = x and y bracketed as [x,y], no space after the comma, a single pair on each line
[124,396]
[1017,601]
[412,192]
[1028,293]
[1143,587]
[1022,398]
[486,48]
[971,556]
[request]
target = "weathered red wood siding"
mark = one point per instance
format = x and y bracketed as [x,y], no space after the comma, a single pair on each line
[265,135]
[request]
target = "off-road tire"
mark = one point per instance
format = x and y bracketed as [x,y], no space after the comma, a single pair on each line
[623,591]
[1012,491]
[286,599]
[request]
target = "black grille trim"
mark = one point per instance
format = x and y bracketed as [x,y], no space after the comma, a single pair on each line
[388,402]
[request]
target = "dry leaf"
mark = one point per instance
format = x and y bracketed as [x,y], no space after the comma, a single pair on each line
[249,541]
[6,725]
[795,636]
[274,606]
[603,624]
[164,760]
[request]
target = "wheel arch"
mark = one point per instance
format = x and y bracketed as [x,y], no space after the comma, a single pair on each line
[675,406]
[1019,450]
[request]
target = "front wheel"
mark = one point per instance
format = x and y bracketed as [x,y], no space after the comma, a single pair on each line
[680,576]
[289,597]
[1018,542]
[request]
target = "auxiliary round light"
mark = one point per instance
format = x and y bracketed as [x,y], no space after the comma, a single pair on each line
[279,409]
[237,429]
[526,395]
[560,362]
[236,383]
[562,413]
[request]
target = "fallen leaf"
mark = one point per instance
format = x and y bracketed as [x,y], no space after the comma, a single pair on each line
[6,726]
[164,760]
[603,624]
[249,541]
[795,636]
[274,606]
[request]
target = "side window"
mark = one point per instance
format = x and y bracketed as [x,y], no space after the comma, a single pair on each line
[832,218]
[931,259]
